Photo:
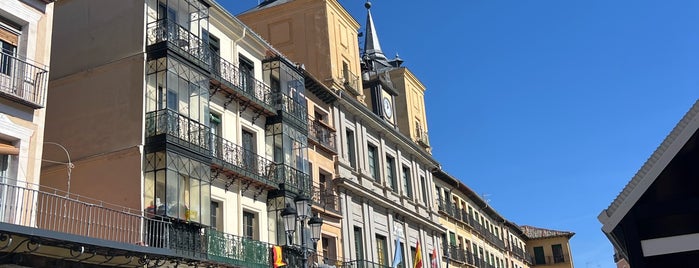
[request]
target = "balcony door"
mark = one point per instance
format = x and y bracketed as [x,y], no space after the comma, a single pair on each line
[247,74]
[249,152]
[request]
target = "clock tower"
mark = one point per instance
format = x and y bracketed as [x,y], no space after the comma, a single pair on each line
[376,77]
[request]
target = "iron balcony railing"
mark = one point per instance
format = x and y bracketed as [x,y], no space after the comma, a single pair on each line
[363,264]
[178,37]
[293,179]
[237,251]
[50,209]
[23,81]
[242,82]
[452,210]
[179,129]
[517,251]
[326,198]
[245,162]
[351,81]
[549,260]
[422,137]
[322,134]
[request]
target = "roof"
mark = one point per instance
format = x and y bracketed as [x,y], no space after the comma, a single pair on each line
[650,170]
[470,193]
[266,4]
[538,233]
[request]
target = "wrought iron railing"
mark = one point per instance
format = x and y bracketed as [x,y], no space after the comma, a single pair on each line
[322,134]
[50,209]
[236,250]
[243,82]
[188,133]
[548,260]
[23,81]
[326,198]
[293,179]
[245,162]
[422,137]
[517,251]
[363,264]
[180,37]
[452,210]
[351,81]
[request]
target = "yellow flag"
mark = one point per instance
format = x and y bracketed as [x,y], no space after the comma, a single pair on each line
[277,257]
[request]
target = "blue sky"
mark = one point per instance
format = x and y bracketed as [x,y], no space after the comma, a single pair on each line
[547,107]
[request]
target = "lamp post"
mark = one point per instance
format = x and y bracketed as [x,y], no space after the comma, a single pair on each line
[300,214]
[69,165]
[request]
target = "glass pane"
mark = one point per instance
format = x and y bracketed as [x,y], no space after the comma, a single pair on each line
[172,194]
[194,209]
[206,199]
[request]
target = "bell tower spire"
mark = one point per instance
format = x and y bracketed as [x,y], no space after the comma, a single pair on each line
[372,48]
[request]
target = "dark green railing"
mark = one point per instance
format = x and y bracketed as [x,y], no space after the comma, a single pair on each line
[238,251]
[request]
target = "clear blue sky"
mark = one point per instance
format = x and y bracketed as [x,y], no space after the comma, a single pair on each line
[549,107]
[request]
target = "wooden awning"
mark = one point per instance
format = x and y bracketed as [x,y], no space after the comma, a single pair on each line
[7,149]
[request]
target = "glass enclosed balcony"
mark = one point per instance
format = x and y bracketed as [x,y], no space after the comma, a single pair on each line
[23,81]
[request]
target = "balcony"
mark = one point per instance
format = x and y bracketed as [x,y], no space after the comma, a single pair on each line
[236,250]
[549,260]
[351,82]
[230,157]
[452,210]
[168,34]
[240,86]
[364,264]
[22,81]
[421,137]
[292,179]
[178,129]
[325,198]
[322,134]
[46,220]
[519,252]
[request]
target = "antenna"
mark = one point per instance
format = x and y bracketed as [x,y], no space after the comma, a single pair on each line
[486,199]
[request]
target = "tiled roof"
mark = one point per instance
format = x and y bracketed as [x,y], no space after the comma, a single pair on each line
[536,233]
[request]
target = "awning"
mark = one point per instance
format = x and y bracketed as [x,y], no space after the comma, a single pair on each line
[6,149]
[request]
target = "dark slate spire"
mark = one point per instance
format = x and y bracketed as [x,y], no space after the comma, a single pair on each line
[372,48]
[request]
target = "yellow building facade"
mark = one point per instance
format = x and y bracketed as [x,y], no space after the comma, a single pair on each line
[549,248]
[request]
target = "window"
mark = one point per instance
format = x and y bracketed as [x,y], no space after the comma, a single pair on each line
[249,225]
[391,173]
[407,185]
[413,251]
[557,250]
[329,250]
[402,261]
[424,189]
[373,163]
[539,257]
[358,243]
[381,250]
[216,216]
[6,57]
[350,148]
[216,142]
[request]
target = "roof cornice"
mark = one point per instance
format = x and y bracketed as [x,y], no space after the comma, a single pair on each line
[650,170]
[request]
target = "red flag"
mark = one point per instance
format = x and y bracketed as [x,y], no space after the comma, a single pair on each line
[418,256]
[277,257]
[434,258]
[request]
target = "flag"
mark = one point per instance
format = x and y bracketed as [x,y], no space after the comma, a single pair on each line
[418,256]
[277,257]
[398,257]
[434,258]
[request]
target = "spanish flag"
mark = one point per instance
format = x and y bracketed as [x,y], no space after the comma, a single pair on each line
[418,256]
[277,257]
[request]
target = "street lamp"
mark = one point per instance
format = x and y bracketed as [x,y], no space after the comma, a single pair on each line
[300,214]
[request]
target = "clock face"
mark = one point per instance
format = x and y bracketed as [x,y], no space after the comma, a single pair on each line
[387,108]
